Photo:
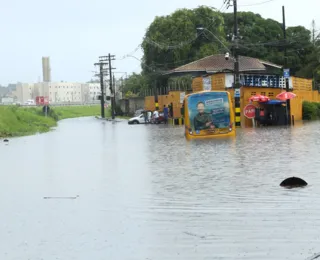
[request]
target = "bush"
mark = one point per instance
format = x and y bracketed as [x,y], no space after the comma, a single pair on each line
[53,114]
[310,110]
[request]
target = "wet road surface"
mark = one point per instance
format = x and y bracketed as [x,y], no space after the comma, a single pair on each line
[98,190]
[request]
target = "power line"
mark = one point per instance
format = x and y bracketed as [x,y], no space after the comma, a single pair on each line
[170,47]
[260,3]
[130,53]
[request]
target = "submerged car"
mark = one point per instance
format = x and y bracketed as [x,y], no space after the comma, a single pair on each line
[141,119]
[137,120]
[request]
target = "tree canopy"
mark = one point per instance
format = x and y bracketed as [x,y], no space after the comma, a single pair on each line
[173,40]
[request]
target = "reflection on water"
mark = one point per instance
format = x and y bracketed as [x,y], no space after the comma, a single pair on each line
[147,193]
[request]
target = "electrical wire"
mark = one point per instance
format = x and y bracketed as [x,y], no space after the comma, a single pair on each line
[260,3]
[130,53]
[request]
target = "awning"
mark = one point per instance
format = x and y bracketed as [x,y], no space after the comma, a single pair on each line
[274,102]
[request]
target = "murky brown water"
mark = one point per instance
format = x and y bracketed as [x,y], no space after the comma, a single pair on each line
[147,193]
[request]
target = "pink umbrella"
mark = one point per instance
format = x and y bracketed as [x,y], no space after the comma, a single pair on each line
[259,98]
[286,95]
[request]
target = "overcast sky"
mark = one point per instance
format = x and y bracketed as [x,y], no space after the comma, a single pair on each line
[75,32]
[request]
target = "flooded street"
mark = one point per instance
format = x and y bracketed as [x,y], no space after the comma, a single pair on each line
[144,192]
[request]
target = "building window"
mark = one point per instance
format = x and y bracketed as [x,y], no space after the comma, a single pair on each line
[253,93]
[270,94]
[263,93]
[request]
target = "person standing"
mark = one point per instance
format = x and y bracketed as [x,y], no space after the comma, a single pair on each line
[165,114]
[156,116]
[149,116]
[171,110]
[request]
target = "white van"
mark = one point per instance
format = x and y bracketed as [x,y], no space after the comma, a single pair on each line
[30,102]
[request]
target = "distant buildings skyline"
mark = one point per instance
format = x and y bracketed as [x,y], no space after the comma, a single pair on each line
[58,91]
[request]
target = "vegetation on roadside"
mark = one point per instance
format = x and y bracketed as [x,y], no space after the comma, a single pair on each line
[173,40]
[20,121]
[75,111]
[310,110]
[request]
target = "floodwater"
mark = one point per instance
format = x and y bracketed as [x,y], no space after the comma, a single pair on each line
[101,190]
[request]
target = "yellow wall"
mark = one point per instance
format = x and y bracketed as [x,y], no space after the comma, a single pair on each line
[173,97]
[197,84]
[176,105]
[301,87]
[218,81]
[149,103]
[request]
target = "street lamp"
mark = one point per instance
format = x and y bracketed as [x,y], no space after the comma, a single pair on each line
[236,73]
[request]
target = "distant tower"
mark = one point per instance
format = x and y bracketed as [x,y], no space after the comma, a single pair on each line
[46,69]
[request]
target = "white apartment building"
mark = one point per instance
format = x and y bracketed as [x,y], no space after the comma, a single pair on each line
[94,90]
[64,92]
[60,92]
[24,92]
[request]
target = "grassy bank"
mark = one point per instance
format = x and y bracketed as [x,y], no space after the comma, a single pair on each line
[310,110]
[76,111]
[20,121]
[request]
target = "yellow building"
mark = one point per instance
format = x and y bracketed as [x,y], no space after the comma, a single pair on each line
[301,87]
[256,76]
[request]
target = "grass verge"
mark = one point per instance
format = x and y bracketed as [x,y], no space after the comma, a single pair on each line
[21,121]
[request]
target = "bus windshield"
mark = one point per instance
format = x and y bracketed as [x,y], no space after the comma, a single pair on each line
[209,110]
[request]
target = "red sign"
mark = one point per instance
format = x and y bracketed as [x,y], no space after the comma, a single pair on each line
[249,111]
[40,100]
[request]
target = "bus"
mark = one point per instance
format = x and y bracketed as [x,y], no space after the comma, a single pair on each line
[208,114]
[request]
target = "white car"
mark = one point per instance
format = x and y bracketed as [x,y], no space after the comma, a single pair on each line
[137,120]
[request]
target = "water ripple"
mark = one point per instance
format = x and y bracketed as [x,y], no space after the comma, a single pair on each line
[147,193]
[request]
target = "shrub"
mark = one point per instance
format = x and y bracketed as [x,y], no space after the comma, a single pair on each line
[310,110]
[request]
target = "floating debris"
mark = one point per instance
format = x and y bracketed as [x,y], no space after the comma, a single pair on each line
[194,235]
[293,182]
[70,198]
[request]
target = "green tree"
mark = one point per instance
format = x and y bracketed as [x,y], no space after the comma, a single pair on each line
[171,41]
[135,84]
[259,37]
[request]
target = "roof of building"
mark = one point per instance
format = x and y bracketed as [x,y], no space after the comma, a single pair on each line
[218,63]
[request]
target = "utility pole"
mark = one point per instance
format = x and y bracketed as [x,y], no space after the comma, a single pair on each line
[236,63]
[155,88]
[236,68]
[313,32]
[110,58]
[102,62]
[114,90]
[286,63]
